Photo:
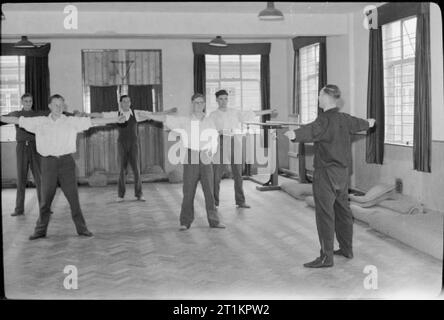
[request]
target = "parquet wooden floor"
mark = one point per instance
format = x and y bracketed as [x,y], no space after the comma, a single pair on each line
[138,253]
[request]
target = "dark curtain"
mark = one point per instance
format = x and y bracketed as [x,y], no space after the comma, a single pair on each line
[103,99]
[375,98]
[265,91]
[141,97]
[37,81]
[199,73]
[322,78]
[422,124]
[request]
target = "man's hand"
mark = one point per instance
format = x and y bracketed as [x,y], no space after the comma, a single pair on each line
[371,122]
[122,119]
[290,134]
[273,113]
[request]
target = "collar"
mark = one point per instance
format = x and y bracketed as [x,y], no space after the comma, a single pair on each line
[335,109]
[62,116]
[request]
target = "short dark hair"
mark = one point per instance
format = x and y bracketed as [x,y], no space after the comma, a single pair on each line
[26,95]
[123,97]
[197,95]
[332,90]
[221,93]
[55,96]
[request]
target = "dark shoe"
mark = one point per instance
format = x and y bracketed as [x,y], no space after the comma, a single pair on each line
[184,227]
[86,233]
[320,262]
[341,252]
[219,226]
[15,214]
[36,236]
[243,205]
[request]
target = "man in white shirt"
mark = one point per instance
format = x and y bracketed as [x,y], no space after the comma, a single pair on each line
[56,137]
[229,124]
[197,165]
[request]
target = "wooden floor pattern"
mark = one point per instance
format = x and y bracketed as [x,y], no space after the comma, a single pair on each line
[138,253]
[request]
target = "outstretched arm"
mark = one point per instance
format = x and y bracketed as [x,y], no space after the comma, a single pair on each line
[9,119]
[105,121]
[272,112]
[142,115]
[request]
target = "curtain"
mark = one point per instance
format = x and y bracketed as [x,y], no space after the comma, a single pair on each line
[375,98]
[265,91]
[141,97]
[422,124]
[199,73]
[37,81]
[322,76]
[103,99]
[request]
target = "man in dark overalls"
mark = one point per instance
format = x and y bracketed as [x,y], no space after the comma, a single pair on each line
[27,156]
[331,133]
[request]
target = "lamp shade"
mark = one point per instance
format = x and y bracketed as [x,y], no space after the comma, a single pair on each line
[218,42]
[271,13]
[24,43]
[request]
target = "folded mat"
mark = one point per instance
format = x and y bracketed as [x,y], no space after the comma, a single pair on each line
[297,190]
[402,204]
[421,231]
[374,196]
[362,214]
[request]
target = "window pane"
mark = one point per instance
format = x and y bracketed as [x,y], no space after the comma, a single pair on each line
[230,66]
[399,72]
[211,88]
[309,77]
[251,98]
[12,86]
[251,65]
[212,66]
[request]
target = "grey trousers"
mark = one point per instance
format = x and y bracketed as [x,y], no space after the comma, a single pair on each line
[129,153]
[62,170]
[236,169]
[192,174]
[27,157]
[333,214]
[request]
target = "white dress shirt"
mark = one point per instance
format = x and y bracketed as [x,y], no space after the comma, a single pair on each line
[229,122]
[55,137]
[193,127]
[115,114]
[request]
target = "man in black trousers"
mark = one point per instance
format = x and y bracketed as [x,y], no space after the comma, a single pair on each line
[27,156]
[331,133]
[56,137]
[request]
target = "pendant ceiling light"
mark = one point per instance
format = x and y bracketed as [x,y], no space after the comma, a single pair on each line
[218,42]
[271,13]
[24,43]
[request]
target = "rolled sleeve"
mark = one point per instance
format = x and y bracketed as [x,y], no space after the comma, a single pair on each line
[81,124]
[110,114]
[30,124]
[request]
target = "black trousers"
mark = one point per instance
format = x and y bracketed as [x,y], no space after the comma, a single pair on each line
[27,157]
[236,169]
[333,214]
[192,174]
[129,153]
[62,170]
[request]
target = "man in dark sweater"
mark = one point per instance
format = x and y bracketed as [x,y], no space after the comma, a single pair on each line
[331,133]
[27,156]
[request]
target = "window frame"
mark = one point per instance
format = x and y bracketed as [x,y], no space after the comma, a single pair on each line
[401,62]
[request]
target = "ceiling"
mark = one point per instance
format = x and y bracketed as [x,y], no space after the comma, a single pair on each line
[201,7]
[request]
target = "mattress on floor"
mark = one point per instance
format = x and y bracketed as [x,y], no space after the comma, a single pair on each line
[421,231]
[374,196]
[297,190]
[362,214]
[403,204]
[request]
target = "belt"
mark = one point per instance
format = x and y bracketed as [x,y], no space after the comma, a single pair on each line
[57,157]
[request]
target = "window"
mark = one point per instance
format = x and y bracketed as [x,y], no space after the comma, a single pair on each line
[308,66]
[12,87]
[398,40]
[239,75]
